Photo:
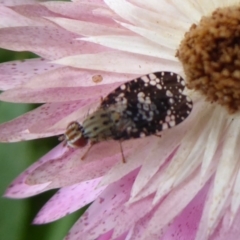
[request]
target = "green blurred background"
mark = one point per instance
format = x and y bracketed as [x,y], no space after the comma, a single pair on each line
[16,215]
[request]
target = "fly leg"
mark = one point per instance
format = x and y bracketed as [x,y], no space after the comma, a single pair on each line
[85,154]
[123,158]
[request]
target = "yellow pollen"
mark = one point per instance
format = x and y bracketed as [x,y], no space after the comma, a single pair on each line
[210,55]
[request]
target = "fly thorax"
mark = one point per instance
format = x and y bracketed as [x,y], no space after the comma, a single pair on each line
[98,125]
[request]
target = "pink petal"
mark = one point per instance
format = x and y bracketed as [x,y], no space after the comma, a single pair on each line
[173,204]
[68,200]
[84,172]
[36,12]
[152,185]
[19,188]
[87,28]
[161,181]
[71,169]
[140,227]
[43,41]
[46,171]
[82,11]
[122,237]
[130,215]
[28,95]
[99,218]
[204,230]
[64,113]
[133,44]
[135,158]
[35,124]
[120,62]
[73,77]
[225,231]
[16,2]
[158,155]
[185,225]
[106,236]
[163,8]
[9,18]
[15,73]
[141,17]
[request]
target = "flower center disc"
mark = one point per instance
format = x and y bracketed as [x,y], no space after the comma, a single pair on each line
[210,54]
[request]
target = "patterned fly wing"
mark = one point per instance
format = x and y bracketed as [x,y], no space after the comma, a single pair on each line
[138,108]
[147,105]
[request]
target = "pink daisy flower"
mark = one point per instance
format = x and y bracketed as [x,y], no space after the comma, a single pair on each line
[184,185]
